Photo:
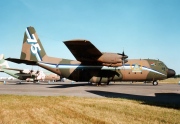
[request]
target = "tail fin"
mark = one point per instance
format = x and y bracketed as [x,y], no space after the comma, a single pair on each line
[3,63]
[32,48]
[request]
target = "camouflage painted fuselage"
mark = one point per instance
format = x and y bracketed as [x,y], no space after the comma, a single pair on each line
[133,70]
[18,75]
[91,64]
[144,70]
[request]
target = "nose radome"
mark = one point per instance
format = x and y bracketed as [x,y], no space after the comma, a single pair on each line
[170,73]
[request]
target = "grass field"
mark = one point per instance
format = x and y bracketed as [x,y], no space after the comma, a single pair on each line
[1,82]
[170,81]
[74,110]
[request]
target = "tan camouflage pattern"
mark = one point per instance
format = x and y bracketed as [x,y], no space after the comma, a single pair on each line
[144,75]
[26,53]
[132,73]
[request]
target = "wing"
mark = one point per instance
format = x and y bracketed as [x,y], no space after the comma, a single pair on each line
[14,69]
[83,50]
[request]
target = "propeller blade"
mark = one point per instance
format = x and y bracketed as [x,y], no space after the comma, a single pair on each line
[37,72]
[123,55]
[31,71]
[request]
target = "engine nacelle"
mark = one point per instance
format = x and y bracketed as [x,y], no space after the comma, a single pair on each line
[26,71]
[110,58]
[112,65]
[29,79]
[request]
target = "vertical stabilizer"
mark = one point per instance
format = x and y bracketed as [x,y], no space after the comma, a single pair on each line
[3,63]
[32,48]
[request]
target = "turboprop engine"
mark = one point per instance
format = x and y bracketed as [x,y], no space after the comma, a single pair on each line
[32,72]
[26,71]
[113,59]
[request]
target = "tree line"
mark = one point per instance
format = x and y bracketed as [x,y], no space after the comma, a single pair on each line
[177,76]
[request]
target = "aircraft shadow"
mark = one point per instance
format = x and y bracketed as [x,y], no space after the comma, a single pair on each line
[167,100]
[21,83]
[130,84]
[64,85]
[71,85]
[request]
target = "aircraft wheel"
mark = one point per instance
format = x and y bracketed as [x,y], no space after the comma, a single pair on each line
[155,83]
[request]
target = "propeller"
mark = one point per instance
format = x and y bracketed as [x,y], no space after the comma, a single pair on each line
[31,71]
[37,72]
[34,73]
[124,57]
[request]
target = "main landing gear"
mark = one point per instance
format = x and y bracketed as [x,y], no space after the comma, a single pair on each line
[155,83]
[99,83]
[108,82]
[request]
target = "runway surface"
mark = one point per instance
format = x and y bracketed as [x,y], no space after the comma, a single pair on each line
[163,93]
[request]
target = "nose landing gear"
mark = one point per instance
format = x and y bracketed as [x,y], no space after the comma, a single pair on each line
[155,83]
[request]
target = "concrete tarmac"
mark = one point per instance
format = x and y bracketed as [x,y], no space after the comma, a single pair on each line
[163,93]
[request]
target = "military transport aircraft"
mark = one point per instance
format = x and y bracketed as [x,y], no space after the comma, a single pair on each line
[91,64]
[26,74]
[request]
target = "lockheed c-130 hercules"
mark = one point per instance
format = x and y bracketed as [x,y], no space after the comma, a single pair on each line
[91,64]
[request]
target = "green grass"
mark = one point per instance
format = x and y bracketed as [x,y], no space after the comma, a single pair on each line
[76,110]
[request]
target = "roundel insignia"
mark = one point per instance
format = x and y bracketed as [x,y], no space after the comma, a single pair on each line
[136,68]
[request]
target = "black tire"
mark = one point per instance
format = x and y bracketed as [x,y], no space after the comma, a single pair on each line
[155,83]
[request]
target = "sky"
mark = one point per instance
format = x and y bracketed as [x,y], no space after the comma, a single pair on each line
[142,28]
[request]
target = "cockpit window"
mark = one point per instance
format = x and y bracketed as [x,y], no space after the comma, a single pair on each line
[160,64]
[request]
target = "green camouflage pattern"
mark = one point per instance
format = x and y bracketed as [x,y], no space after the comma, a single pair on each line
[92,65]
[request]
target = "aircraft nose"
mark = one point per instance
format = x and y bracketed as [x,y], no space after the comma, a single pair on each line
[170,73]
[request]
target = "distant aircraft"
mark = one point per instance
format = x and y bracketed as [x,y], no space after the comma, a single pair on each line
[25,74]
[92,65]
[48,76]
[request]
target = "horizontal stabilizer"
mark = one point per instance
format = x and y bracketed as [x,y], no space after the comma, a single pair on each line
[19,61]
